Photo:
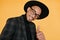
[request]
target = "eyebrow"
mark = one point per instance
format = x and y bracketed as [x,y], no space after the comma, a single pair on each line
[34,10]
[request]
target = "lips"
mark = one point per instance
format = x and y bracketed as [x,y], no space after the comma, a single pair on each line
[31,18]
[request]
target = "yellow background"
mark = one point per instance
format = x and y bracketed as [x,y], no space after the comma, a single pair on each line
[50,25]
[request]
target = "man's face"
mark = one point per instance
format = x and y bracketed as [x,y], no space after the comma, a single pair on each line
[33,13]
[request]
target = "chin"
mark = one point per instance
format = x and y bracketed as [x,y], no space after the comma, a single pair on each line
[30,20]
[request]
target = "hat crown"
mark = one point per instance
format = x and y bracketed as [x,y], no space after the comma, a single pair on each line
[44,8]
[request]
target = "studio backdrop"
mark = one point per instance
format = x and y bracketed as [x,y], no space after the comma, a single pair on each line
[49,25]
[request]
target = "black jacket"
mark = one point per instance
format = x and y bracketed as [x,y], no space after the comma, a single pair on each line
[15,29]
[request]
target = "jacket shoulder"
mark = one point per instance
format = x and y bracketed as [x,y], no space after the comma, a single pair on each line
[13,20]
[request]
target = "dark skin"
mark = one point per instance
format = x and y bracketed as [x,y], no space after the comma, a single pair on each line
[32,14]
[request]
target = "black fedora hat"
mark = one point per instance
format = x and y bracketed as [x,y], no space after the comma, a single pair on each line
[44,8]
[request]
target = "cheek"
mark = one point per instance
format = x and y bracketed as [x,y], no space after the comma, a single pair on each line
[40,12]
[28,15]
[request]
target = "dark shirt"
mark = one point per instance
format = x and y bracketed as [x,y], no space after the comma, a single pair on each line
[28,32]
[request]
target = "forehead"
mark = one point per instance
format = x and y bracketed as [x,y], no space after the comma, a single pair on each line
[37,9]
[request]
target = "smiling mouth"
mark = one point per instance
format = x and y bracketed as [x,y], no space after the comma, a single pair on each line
[31,18]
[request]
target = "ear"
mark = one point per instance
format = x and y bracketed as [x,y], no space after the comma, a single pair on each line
[28,9]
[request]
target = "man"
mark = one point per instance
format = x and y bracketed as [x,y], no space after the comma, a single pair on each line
[22,28]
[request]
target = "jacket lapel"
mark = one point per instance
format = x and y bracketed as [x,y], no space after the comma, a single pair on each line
[33,31]
[23,28]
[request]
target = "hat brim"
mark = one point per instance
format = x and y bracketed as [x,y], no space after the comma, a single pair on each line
[44,8]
